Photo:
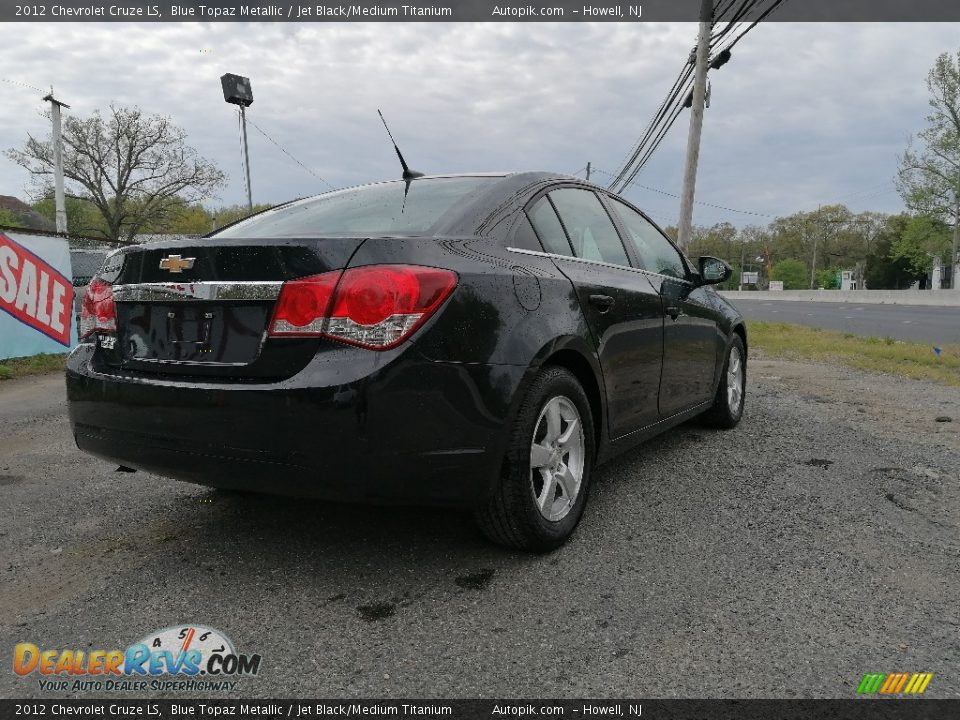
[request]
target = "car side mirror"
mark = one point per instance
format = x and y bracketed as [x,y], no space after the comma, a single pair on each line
[713,270]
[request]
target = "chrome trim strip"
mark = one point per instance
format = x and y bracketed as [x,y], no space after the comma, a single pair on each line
[554,256]
[207,290]
[181,363]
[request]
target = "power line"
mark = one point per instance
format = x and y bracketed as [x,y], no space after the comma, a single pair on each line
[17,82]
[745,7]
[666,114]
[763,16]
[651,149]
[697,202]
[285,152]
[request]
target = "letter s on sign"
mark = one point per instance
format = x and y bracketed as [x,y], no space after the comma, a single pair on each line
[8,283]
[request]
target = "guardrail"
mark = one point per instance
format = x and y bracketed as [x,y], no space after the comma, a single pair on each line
[938,298]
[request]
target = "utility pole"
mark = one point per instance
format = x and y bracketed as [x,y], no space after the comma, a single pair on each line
[743,257]
[588,171]
[813,264]
[59,201]
[955,259]
[696,123]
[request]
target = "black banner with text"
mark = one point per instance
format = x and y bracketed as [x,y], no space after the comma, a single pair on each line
[474,11]
[487,709]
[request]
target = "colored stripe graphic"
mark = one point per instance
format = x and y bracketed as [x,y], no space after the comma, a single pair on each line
[894,683]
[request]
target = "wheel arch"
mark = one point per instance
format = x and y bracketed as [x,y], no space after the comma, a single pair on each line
[741,329]
[573,354]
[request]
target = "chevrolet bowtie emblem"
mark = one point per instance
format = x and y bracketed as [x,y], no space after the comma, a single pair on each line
[176,264]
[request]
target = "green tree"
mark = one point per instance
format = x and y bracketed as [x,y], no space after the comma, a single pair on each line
[10,219]
[136,169]
[232,213]
[827,279]
[884,272]
[83,217]
[929,178]
[792,272]
[921,238]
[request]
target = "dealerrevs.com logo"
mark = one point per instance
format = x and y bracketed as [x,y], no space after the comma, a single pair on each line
[180,658]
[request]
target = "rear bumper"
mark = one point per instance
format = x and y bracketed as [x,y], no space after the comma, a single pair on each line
[408,431]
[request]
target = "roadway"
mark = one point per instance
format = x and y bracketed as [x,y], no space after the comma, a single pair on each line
[917,323]
[817,541]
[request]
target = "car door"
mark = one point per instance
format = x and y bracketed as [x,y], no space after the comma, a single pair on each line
[621,307]
[692,341]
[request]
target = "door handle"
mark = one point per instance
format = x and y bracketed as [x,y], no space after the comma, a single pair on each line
[602,302]
[674,311]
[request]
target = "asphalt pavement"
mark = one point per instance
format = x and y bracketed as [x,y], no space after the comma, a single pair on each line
[917,323]
[818,541]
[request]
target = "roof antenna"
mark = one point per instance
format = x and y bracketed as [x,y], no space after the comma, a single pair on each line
[408,174]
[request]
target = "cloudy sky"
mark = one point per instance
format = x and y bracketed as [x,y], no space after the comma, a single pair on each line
[804,113]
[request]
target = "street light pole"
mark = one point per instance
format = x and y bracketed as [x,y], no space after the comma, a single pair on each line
[58,195]
[246,156]
[237,90]
[684,227]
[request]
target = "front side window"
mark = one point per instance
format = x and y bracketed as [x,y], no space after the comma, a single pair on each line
[592,233]
[654,250]
[372,210]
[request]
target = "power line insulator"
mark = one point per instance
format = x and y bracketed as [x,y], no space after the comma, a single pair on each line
[721,59]
[689,101]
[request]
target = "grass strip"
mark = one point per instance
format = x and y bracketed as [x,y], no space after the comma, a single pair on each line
[919,361]
[34,365]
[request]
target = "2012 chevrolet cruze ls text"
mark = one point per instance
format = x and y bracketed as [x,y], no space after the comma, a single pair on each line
[471,340]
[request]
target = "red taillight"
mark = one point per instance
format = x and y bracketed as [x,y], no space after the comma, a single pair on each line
[376,307]
[303,305]
[98,313]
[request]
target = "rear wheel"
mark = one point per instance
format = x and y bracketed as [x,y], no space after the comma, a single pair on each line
[546,473]
[728,404]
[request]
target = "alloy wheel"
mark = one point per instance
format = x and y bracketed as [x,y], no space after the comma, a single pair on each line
[556,458]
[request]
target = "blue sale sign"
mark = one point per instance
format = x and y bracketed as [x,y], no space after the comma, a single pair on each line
[36,295]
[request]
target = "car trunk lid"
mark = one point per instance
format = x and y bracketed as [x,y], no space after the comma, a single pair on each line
[202,307]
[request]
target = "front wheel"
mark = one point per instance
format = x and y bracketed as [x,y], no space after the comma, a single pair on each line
[728,404]
[546,472]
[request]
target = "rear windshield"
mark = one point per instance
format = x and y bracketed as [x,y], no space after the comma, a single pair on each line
[371,210]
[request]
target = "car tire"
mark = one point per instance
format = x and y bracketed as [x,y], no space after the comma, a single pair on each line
[545,478]
[731,390]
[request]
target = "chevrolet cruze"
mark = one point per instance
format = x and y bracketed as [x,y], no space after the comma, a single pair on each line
[481,341]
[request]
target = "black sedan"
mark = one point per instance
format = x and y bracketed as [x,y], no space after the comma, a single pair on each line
[480,341]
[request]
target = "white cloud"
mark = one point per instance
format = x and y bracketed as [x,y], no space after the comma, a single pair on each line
[803,114]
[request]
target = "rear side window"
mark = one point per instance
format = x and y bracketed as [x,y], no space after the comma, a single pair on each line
[655,251]
[372,210]
[589,227]
[548,228]
[524,237]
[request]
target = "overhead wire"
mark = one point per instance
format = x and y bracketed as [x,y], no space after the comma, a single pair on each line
[22,84]
[670,109]
[667,111]
[763,16]
[289,155]
[660,191]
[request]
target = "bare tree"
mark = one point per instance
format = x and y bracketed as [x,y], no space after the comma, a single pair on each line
[136,169]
